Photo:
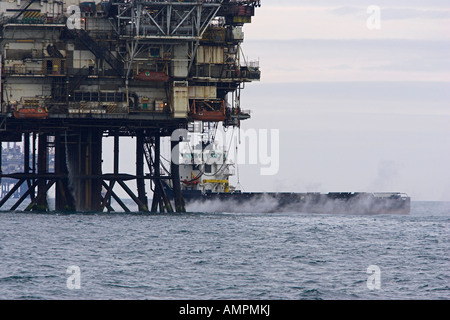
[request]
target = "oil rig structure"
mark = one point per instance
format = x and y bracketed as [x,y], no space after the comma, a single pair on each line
[74,72]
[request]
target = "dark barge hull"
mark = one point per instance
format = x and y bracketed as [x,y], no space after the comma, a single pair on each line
[331,203]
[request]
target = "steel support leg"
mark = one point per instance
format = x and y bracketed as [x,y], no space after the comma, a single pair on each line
[64,199]
[140,181]
[40,203]
[176,182]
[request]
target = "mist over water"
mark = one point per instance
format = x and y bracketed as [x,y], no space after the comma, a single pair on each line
[71,180]
[297,203]
[259,205]
[226,255]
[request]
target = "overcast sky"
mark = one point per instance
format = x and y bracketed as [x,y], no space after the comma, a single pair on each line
[357,109]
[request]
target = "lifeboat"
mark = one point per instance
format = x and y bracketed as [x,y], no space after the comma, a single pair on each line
[152,76]
[31,113]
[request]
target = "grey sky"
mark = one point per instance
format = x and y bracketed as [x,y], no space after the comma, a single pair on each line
[337,3]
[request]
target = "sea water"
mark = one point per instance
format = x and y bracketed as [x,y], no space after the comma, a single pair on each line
[220,255]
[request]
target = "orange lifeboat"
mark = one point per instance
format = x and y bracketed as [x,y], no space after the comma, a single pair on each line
[31,113]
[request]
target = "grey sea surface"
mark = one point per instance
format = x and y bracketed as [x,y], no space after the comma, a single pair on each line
[251,256]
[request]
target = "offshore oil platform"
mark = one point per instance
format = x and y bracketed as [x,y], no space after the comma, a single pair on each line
[75,72]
